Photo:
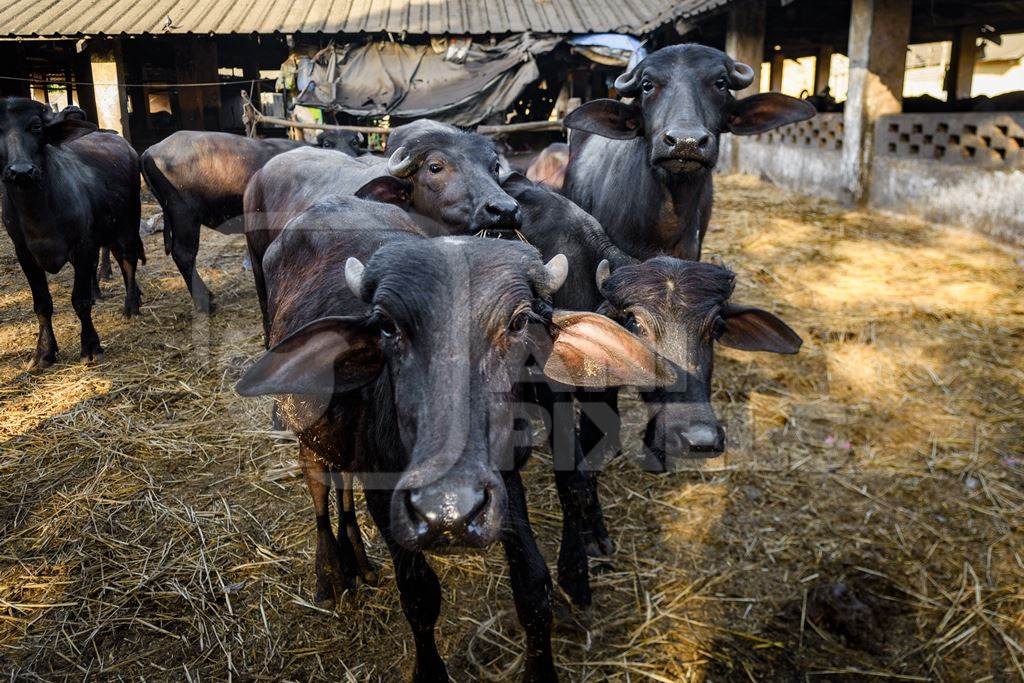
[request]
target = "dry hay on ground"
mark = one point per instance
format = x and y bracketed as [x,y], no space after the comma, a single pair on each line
[866,524]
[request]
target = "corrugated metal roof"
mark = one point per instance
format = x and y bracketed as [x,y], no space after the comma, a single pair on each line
[50,18]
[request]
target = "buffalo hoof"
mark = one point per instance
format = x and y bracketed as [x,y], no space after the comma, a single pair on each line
[600,546]
[369,577]
[132,307]
[205,305]
[569,618]
[38,362]
[105,273]
[92,357]
[92,352]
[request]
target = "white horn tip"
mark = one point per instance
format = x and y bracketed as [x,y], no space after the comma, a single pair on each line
[558,270]
[354,276]
[604,269]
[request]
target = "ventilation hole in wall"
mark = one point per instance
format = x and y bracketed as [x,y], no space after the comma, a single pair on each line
[904,138]
[942,128]
[987,140]
[839,144]
[892,147]
[1019,141]
[969,152]
[954,139]
[928,139]
[915,149]
[894,127]
[917,128]
[1001,151]
[1003,130]
[970,130]
[939,152]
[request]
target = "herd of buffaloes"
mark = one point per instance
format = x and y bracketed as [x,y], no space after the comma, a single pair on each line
[406,346]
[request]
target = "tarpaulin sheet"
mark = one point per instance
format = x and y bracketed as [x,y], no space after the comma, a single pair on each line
[461,83]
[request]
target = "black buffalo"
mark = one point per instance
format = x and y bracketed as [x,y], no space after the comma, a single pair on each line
[643,168]
[682,309]
[68,190]
[405,370]
[447,180]
[198,178]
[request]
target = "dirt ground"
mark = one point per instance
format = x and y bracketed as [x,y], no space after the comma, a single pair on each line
[866,523]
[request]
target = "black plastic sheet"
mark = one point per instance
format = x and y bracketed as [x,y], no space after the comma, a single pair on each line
[453,81]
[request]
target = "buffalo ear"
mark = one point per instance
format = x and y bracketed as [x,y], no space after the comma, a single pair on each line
[387,190]
[767,110]
[607,118]
[752,329]
[62,130]
[328,356]
[591,350]
[515,180]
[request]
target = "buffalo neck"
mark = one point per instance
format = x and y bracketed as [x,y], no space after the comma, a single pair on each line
[645,211]
[682,229]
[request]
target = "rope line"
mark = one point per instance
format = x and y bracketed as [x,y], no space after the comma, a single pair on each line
[37,81]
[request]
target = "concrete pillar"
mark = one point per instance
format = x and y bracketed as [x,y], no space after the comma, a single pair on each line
[822,68]
[744,42]
[960,76]
[775,74]
[108,75]
[879,33]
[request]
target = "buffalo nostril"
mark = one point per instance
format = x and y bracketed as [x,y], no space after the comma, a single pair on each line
[669,139]
[478,509]
[414,512]
[704,141]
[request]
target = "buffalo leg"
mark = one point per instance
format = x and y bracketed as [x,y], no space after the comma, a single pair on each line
[104,272]
[598,442]
[420,591]
[334,567]
[531,583]
[261,295]
[184,246]
[348,528]
[132,293]
[573,568]
[42,303]
[81,300]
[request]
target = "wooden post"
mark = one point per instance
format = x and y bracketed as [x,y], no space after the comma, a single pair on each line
[190,99]
[775,75]
[137,95]
[744,42]
[960,76]
[879,33]
[251,69]
[822,68]
[13,57]
[744,38]
[85,93]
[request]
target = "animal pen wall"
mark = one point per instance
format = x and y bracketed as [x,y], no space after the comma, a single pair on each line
[951,165]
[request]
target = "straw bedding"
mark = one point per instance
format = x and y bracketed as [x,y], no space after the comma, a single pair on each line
[865,524]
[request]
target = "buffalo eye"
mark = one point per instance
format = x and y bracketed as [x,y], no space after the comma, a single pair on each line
[647,85]
[435,167]
[633,325]
[518,322]
[36,127]
[497,168]
[387,327]
[722,84]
